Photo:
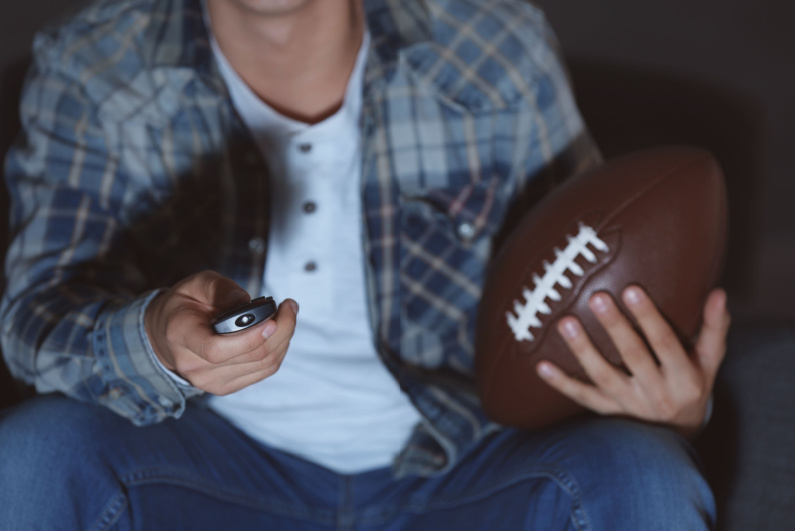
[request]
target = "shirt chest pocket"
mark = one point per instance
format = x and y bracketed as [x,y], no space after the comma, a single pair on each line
[445,243]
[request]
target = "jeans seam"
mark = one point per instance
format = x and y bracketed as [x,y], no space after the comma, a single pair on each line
[579,517]
[558,476]
[110,514]
[143,477]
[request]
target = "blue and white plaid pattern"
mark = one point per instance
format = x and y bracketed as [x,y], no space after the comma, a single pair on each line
[134,171]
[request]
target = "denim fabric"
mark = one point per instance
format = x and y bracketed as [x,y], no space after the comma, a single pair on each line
[69,465]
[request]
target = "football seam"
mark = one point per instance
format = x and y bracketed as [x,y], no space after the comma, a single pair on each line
[526,314]
[612,215]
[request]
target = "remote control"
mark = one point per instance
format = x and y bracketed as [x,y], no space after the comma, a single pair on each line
[244,316]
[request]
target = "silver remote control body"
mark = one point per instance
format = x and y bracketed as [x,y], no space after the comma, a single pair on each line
[244,316]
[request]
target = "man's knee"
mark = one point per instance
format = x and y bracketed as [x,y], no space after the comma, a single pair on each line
[51,431]
[51,454]
[642,475]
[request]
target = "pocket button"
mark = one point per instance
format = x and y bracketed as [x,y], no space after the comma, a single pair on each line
[466,231]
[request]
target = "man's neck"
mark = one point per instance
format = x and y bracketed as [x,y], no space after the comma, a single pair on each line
[297,60]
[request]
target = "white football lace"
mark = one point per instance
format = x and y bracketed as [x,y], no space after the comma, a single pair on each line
[526,316]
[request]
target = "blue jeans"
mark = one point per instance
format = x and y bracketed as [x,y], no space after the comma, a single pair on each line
[67,465]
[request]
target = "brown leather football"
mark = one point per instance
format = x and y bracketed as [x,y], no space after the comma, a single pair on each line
[655,218]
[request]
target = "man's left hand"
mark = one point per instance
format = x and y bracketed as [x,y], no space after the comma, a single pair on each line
[674,391]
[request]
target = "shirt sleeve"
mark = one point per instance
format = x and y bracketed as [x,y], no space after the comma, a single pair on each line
[561,145]
[73,311]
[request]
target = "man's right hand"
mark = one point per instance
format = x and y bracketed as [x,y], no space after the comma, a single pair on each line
[178,325]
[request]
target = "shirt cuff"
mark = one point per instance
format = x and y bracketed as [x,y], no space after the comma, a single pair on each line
[138,387]
[181,382]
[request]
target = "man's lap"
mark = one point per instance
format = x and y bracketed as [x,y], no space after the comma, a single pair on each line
[200,472]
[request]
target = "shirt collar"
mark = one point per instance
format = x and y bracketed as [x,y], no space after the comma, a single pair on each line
[396,24]
[178,37]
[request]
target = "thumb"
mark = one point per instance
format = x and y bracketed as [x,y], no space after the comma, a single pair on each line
[213,289]
[711,345]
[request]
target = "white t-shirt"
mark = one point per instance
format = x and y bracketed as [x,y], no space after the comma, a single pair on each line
[332,401]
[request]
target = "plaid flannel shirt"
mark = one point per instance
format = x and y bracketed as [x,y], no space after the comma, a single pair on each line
[134,171]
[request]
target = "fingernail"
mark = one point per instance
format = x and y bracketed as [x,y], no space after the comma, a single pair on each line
[269,329]
[632,295]
[599,303]
[545,371]
[294,306]
[570,328]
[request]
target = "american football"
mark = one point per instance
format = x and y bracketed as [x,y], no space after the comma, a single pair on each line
[654,218]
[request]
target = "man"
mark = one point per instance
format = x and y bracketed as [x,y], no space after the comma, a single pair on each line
[360,158]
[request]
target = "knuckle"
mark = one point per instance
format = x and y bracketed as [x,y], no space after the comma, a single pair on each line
[665,407]
[634,354]
[172,336]
[264,351]
[600,375]
[182,366]
[667,341]
[199,381]
[574,391]
[193,280]
[255,341]
[266,361]
[206,275]
[276,364]
[693,391]
[270,371]
[211,353]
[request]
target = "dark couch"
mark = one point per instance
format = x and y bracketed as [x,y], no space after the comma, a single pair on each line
[748,447]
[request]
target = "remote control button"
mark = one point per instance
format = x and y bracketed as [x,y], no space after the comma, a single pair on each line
[305,148]
[310,207]
[310,266]
[245,320]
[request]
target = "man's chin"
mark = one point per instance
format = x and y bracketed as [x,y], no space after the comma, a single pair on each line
[271,7]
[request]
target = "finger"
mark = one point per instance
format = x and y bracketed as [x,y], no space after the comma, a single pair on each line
[234,376]
[214,373]
[258,370]
[272,344]
[202,340]
[596,367]
[231,378]
[285,317]
[249,378]
[633,350]
[711,345]
[213,289]
[661,337]
[586,395]
[277,332]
